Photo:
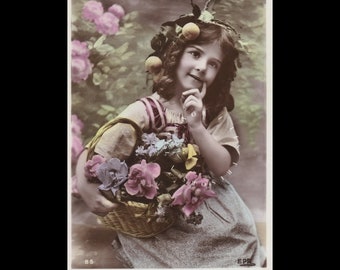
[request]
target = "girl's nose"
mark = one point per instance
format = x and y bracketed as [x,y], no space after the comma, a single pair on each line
[201,65]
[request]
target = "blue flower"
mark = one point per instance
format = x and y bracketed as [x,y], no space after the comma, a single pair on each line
[112,173]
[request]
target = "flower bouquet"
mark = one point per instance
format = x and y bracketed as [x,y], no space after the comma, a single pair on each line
[164,180]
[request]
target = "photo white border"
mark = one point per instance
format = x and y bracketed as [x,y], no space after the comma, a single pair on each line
[269,145]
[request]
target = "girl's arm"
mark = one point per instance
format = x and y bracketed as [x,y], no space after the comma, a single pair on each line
[118,140]
[89,192]
[215,155]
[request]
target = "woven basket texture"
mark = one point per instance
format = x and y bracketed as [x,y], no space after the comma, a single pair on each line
[129,218]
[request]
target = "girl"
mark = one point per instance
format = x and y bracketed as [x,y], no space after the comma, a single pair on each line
[191,98]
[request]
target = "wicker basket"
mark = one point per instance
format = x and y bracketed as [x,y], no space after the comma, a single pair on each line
[130,217]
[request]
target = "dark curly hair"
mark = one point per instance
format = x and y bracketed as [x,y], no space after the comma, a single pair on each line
[218,94]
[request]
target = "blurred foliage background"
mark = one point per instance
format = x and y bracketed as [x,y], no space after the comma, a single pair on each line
[119,78]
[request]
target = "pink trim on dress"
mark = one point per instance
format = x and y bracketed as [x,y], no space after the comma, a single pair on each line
[155,111]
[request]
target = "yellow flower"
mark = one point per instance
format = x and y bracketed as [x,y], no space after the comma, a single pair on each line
[164,199]
[191,154]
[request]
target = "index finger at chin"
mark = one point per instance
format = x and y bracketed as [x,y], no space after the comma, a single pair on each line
[204,90]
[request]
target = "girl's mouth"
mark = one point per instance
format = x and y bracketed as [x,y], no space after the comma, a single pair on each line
[195,77]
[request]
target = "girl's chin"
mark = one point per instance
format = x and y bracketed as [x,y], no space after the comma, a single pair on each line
[193,84]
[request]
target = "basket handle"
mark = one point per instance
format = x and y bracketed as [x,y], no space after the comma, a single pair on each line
[92,144]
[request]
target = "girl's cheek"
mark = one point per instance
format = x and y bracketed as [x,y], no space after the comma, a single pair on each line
[211,79]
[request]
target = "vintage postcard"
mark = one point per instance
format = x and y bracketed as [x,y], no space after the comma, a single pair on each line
[190,163]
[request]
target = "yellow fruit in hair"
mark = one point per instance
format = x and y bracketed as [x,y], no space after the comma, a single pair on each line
[190,31]
[153,64]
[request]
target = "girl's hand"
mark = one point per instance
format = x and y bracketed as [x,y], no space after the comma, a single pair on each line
[97,203]
[193,105]
[89,192]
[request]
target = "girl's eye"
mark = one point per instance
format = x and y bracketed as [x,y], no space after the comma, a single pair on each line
[213,65]
[195,54]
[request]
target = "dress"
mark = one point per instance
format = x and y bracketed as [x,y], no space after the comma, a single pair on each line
[227,236]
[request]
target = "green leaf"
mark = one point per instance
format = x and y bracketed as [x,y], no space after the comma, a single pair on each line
[104,84]
[99,41]
[96,125]
[206,16]
[108,108]
[104,49]
[112,61]
[110,116]
[98,77]
[122,49]
[131,16]
[122,69]
[102,112]
[106,69]
[127,55]
[128,25]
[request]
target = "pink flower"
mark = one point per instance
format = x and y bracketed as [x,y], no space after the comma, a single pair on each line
[92,165]
[77,147]
[193,193]
[77,142]
[81,68]
[80,49]
[107,24]
[92,10]
[117,10]
[77,125]
[141,180]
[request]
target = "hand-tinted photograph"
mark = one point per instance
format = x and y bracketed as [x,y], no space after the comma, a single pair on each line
[169,134]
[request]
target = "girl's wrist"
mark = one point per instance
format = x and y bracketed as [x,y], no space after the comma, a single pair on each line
[197,128]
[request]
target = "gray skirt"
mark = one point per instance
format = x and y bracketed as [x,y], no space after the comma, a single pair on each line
[227,237]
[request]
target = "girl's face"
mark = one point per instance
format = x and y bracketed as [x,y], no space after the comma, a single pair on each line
[198,64]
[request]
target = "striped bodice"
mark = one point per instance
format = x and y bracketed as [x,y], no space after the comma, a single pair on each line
[164,120]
